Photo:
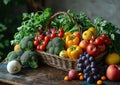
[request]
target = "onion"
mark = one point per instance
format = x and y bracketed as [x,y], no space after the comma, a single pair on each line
[48,33]
[52,29]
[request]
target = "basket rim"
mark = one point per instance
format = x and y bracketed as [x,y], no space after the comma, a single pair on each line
[48,54]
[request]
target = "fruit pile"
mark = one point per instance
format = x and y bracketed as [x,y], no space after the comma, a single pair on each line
[65,39]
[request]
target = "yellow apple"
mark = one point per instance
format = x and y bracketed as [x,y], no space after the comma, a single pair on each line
[93,30]
[87,35]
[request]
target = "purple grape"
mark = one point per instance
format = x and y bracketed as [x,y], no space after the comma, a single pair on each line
[88,68]
[95,77]
[86,62]
[87,55]
[98,75]
[80,69]
[90,79]
[81,55]
[80,60]
[86,75]
[94,70]
[91,59]
[85,71]
[80,65]
[83,58]
[92,65]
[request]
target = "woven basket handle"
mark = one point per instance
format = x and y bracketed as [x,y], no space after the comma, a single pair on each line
[64,13]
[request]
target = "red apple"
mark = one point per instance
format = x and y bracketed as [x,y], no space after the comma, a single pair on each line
[92,49]
[72,74]
[113,72]
[83,44]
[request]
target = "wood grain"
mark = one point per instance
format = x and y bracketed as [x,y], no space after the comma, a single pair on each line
[44,75]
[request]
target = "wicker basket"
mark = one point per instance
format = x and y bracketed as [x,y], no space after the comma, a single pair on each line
[63,63]
[59,62]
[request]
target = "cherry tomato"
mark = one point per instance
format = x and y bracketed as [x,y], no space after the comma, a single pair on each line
[36,43]
[61,30]
[41,37]
[53,35]
[42,47]
[38,47]
[93,37]
[45,43]
[92,41]
[98,41]
[47,38]
[107,41]
[36,38]
[61,33]
[104,36]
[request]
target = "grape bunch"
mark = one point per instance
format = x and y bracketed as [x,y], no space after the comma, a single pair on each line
[88,67]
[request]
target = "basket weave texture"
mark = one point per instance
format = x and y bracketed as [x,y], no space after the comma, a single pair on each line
[58,62]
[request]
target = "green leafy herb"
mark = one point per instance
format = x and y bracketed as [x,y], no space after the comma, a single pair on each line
[105,27]
[30,24]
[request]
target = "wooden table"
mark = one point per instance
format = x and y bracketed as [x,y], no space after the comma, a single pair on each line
[44,75]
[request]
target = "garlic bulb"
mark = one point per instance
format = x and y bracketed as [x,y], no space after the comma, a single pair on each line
[13,67]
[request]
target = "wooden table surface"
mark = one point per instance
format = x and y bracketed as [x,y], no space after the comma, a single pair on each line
[44,75]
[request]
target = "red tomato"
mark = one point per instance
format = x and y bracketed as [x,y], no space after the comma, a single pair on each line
[104,36]
[41,37]
[47,38]
[98,41]
[36,43]
[45,43]
[38,47]
[93,37]
[61,33]
[61,30]
[36,38]
[107,41]
[53,35]
[42,47]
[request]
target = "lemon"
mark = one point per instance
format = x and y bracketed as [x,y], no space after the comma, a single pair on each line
[93,30]
[87,35]
[113,58]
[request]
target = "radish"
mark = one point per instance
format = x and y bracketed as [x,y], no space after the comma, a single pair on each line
[73,74]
